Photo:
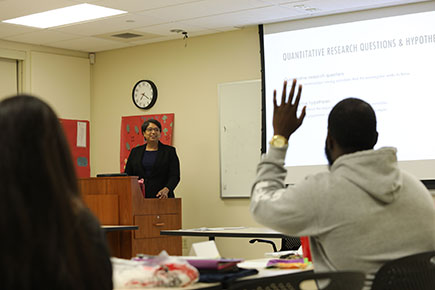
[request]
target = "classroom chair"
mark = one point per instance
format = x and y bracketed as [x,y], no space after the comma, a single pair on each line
[287,243]
[414,272]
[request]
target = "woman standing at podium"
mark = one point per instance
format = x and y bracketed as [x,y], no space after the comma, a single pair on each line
[154,162]
[50,240]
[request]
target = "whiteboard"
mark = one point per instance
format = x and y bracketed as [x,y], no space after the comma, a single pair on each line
[240,136]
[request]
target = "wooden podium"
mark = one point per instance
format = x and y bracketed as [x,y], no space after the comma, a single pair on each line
[119,201]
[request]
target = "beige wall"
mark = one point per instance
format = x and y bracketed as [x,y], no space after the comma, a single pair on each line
[63,82]
[8,77]
[58,76]
[187,80]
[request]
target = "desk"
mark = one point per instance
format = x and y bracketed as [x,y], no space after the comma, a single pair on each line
[229,232]
[112,228]
[258,264]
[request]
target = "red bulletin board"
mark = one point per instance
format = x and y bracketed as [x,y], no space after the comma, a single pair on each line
[131,133]
[79,146]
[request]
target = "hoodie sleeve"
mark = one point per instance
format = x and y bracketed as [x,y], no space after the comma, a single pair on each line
[290,209]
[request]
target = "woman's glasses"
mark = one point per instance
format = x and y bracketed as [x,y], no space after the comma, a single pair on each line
[149,130]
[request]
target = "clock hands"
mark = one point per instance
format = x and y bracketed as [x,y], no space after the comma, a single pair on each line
[144,96]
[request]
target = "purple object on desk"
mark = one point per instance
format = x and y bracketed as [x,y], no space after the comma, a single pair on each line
[213,264]
[276,261]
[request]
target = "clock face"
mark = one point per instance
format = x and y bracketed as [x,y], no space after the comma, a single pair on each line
[144,94]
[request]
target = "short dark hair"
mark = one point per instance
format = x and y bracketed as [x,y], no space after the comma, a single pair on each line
[147,123]
[352,123]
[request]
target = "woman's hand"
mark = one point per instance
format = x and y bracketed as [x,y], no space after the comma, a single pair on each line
[162,194]
[285,121]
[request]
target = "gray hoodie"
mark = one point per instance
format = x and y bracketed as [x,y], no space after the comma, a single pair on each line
[361,214]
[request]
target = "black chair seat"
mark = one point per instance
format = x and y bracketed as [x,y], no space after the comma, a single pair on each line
[414,272]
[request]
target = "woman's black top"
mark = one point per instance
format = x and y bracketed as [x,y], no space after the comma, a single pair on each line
[165,171]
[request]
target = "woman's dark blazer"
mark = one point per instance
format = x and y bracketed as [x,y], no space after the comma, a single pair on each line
[165,172]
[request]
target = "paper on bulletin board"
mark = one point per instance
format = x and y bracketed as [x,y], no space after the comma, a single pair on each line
[81,134]
[77,135]
[131,133]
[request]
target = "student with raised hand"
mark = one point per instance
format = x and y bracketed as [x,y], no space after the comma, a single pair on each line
[50,240]
[363,212]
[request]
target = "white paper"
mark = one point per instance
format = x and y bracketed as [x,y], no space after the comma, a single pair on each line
[81,134]
[205,249]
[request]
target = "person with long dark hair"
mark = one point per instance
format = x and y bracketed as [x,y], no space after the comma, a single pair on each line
[50,240]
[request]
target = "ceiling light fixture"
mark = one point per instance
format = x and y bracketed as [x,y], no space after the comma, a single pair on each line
[66,15]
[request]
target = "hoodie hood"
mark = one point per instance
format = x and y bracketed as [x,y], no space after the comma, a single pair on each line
[374,171]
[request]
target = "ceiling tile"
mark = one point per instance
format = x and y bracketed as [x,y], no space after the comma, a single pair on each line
[165,29]
[202,9]
[7,29]
[141,5]
[346,5]
[41,37]
[247,17]
[110,24]
[89,44]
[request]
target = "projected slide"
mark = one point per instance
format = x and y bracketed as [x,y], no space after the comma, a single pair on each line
[388,62]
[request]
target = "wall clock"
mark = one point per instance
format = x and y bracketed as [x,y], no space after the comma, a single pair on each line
[144,94]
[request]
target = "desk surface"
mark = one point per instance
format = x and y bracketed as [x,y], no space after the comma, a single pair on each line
[111,228]
[230,232]
[258,264]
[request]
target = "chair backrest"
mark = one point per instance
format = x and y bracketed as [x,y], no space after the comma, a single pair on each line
[414,272]
[287,243]
[309,280]
[290,244]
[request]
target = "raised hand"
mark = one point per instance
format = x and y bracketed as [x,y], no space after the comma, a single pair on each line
[285,121]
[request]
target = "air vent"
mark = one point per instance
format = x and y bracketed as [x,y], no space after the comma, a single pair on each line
[127,35]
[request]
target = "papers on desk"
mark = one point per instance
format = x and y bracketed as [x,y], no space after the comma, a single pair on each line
[254,264]
[281,254]
[284,264]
